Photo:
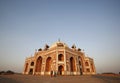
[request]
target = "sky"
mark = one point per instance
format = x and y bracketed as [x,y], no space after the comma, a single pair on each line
[92,25]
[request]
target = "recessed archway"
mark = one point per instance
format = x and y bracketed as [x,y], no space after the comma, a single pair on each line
[38,64]
[32,63]
[88,70]
[31,71]
[81,63]
[48,64]
[60,57]
[60,70]
[86,63]
[72,64]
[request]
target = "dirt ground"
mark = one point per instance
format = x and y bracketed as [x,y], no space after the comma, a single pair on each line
[58,79]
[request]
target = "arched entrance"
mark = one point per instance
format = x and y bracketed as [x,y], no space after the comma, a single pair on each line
[60,70]
[48,64]
[38,64]
[72,64]
[31,71]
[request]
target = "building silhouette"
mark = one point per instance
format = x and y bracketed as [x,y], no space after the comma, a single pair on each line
[61,59]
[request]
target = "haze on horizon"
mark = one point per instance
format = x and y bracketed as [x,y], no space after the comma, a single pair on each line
[92,25]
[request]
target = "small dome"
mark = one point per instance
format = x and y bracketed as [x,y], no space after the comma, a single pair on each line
[59,44]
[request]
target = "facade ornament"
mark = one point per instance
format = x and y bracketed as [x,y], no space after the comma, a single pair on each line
[61,60]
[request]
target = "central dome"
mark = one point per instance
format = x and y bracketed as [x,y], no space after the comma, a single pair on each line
[58,44]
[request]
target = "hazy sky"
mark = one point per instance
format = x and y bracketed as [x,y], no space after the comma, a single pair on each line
[93,25]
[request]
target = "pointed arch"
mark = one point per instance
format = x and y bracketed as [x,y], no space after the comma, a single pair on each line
[86,63]
[32,63]
[82,63]
[31,71]
[60,57]
[38,64]
[48,64]
[72,64]
[60,70]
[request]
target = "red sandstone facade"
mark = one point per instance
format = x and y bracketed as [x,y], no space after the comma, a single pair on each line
[61,59]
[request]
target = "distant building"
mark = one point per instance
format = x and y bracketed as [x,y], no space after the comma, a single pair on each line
[60,59]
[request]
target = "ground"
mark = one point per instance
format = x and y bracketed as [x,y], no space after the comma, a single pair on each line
[58,79]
